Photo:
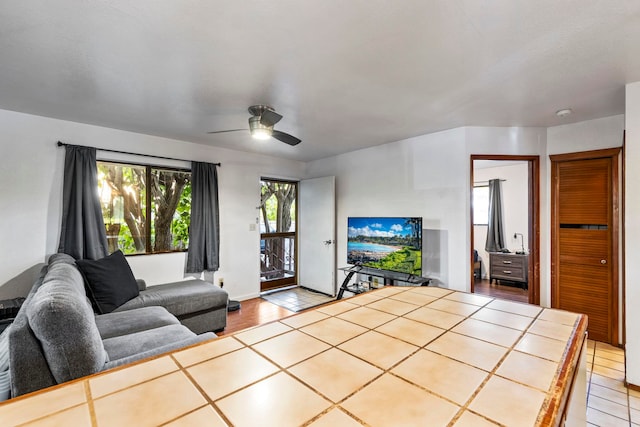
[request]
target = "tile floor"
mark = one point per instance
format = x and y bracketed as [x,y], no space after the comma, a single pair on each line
[297,299]
[609,402]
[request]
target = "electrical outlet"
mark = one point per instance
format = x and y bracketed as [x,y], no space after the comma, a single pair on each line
[221,282]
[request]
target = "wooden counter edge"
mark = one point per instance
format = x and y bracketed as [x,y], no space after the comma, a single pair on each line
[555,406]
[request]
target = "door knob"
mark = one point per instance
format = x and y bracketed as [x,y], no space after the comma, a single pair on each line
[603,261]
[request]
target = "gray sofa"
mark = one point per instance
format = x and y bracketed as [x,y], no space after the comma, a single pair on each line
[56,337]
[198,305]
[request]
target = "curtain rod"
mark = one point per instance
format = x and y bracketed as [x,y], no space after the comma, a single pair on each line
[486,182]
[62,144]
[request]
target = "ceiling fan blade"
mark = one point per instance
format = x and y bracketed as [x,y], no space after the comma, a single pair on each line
[286,138]
[269,118]
[225,131]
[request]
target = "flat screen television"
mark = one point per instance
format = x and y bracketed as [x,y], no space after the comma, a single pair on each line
[386,243]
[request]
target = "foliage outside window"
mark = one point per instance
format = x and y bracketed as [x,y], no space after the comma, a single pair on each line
[481,205]
[146,209]
[277,206]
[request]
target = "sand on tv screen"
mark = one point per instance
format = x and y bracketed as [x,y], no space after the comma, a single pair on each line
[386,243]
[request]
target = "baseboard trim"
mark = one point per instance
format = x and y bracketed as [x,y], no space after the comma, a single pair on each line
[244,297]
[632,386]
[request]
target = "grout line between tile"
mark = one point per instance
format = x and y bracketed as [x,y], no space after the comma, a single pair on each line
[185,414]
[120,390]
[589,365]
[92,409]
[45,417]
[203,394]
[606,413]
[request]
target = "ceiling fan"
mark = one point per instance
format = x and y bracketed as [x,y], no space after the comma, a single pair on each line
[261,123]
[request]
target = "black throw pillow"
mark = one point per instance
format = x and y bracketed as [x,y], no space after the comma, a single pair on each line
[110,281]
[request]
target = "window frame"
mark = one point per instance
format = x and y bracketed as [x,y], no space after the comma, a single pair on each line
[148,170]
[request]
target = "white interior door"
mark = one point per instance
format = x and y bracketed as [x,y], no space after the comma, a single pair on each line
[317,234]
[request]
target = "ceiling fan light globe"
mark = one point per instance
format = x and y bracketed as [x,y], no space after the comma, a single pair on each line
[261,134]
[258,130]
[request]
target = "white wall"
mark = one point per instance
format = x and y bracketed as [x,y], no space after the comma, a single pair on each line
[425,176]
[428,176]
[632,232]
[585,136]
[515,200]
[30,195]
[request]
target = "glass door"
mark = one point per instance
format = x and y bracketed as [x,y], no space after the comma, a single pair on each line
[278,208]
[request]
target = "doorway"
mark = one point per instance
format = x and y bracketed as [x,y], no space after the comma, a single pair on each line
[585,221]
[278,241]
[519,278]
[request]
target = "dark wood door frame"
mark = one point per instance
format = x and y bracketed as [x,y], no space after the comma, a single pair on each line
[534,219]
[614,154]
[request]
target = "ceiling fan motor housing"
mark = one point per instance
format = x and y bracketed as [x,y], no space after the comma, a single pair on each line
[257,110]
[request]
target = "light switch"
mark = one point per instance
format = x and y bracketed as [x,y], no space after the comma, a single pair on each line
[252,227]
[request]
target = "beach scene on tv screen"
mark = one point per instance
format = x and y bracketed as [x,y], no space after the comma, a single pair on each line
[393,244]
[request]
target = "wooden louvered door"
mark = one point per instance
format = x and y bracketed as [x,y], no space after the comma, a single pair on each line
[584,271]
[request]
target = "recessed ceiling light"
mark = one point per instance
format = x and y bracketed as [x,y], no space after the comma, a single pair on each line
[564,112]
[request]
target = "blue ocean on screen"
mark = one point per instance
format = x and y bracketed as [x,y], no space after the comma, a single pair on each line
[369,247]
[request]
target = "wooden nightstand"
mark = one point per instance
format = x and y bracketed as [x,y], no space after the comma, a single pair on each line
[509,266]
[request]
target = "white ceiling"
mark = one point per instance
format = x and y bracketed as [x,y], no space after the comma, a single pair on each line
[345,74]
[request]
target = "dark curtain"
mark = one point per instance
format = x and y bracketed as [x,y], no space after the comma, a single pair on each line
[82,234]
[495,230]
[204,231]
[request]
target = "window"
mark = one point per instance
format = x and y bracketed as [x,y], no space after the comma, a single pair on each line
[146,209]
[481,205]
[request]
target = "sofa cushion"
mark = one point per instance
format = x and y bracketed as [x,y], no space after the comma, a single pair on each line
[169,346]
[131,321]
[65,326]
[110,281]
[128,345]
[181,298]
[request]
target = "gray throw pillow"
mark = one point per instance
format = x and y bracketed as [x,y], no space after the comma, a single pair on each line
[66,328]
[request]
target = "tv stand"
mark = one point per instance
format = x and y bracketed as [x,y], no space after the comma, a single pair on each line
[389,277]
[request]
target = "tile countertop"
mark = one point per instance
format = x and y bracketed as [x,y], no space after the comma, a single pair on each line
[390,357]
